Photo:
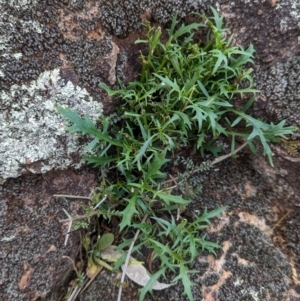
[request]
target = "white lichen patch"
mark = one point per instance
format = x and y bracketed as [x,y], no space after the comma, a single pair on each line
[20,4]
[10,24]
[291,6]
[32,131]
[17,55]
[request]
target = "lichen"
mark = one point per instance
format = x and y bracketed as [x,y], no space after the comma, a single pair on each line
[258,269]
[293,7]
[26,43]
[121,17]
[280,87]
[33,129]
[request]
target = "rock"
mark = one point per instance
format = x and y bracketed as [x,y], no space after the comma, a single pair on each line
[32,238]
[35,139]
[57,52]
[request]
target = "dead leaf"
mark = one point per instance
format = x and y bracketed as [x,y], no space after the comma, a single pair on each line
[135,270]
[92,270]
[111,255]
[139,274]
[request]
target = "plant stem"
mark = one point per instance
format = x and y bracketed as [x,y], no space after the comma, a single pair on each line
[71,196]
[217,160]
[128,258]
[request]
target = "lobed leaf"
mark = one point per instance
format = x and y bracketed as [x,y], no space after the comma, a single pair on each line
[129,211]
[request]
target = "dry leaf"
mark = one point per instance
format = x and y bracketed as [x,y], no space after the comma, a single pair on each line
[92,270]
[135,270]
[111,255]
[138,274]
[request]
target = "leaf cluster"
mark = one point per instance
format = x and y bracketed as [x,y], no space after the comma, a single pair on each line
[184,97]
[177,245]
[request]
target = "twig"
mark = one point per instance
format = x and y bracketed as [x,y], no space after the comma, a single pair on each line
[178,208]
[173,179]
[77,217]
[77,289]
[280,221]
[71,196]
[69,226]
[73,264]
[128,258]
[218,160]
[74,293]
[104,198]
[99,269]
[178,213]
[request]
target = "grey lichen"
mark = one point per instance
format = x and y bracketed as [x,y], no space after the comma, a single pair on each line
[280,86]
[32,131]
[258,269]
[121,17]
[293,7]
[26,44]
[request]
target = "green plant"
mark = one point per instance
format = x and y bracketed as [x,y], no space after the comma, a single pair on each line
[185,97]
[177,244]
[94,252]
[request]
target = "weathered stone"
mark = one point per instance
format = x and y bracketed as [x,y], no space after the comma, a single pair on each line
[56,52]
[32,236]
[34,138]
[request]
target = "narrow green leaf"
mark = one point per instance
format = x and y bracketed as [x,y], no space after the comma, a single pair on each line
[200,140]
[171,120]
[185,119]
[217,19]
[243,91]
[92,144]
[100,160]
[206,216]
[207,245]
[252,147]
[169,198]
[202,88]
[168,82]
[187,283]
[232,144]
[200,115]
[153,170]
[132,114]
[110,91]
[186,29]
[148,287]
[237,121]
[172,28]
[143,149]
[174,61]
[221,59]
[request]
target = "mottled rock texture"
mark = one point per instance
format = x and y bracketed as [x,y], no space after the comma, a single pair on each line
[32,236]
[56,52]
[34,139]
